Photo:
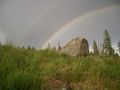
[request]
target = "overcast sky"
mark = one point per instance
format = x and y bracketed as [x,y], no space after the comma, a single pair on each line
[37,22]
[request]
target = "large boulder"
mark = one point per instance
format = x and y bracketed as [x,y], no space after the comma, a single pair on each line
[77,47]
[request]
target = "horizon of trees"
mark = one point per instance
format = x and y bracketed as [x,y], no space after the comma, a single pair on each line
[104,48]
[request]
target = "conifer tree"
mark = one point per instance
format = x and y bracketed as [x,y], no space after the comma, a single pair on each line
[107,48]
[29,47]
[100,48]
[59,47]
[54,48]
[95,48]
[33,48]
[48,47]
[119,47]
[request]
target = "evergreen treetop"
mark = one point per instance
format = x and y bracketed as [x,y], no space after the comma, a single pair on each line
[107,47]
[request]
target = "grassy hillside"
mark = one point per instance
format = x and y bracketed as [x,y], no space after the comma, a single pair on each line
[24,69]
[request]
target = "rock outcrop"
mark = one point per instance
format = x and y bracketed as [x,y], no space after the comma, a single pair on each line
[77,47]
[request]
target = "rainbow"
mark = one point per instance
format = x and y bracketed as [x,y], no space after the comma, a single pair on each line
[83,16]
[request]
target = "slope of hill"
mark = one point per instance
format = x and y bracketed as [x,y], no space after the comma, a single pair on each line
[24,69]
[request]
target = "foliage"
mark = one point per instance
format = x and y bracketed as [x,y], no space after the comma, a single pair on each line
[19,69]
[95,48]
[24,69]
[48,46]
[107,48]
[59,47]
[119,47]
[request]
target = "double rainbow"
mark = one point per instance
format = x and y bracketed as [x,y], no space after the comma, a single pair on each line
[72,22]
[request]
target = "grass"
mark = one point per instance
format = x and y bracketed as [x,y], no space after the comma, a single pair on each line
[24,69]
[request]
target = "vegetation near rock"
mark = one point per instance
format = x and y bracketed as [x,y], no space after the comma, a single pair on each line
[59,47]
[107,45]
[95,48]
[76,47]
[28,69]
[119,47]
[24,68]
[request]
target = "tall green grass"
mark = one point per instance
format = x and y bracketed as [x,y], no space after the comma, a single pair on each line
[19,69]
[24,69]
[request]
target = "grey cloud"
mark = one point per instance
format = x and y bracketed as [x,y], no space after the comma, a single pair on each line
[33,22]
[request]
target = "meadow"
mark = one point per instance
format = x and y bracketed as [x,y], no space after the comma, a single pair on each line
[27,69]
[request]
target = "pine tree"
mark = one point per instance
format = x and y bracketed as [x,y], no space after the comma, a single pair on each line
[48,47]
[95,48]
[33,48]
[107,48]
[59,47]
[119,47]
[100,48]
[29,47]
[54,48]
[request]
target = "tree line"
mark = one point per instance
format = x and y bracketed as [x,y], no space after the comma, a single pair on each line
[105,48]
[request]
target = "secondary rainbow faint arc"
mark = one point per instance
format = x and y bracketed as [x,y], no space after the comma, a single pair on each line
[30,27]
[75,20]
